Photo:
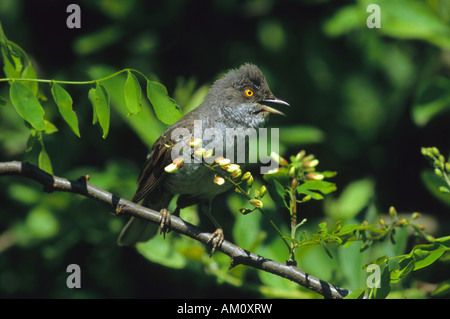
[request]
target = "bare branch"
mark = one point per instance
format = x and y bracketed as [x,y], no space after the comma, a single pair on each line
[121,206]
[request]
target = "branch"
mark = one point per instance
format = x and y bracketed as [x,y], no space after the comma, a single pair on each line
[121,206]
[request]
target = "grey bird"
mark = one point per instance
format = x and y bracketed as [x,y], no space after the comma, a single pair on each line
[240,99]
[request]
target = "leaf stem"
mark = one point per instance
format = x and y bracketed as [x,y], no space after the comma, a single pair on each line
[76,82]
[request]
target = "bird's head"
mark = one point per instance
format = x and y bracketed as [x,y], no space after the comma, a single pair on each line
[245,95]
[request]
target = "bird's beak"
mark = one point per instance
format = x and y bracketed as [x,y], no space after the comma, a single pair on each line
[271,101]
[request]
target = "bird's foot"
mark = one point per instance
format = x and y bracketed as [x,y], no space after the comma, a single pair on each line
[165,221]
[216,239]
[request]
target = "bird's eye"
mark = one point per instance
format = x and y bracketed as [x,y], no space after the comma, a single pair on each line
[249,93]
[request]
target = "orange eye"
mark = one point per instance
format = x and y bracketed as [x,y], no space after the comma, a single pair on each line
[248,93]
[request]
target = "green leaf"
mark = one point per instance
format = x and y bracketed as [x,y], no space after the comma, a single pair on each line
[100,39]
[401,19]
[3,101]
[379,261]
[301,135]
[277,192]
[27,105]
[356,294]
[91,96]
[281,176]
[50,128]
[352,200]
[146,125]
[344,20]
[406,266]
[432,183]
[313,195]
[132,94]
[324,246]
[321,186]
[313,188]
[425,255]
[41,223]
[100,100]
[444,241]
[165,108]
[328,174]
[30,73]
[10,67]
[44,161]
[432,100]
[385,285]
[64,103]
[162,251]
[414,19]
[442,290]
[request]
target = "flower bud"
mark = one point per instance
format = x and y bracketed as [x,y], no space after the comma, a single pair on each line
[291,172]
[263,190]
[236,173]
[178,162]
[257,203]
[439,164]
[424,151]
[447,167]
[444,189]
[222,161]
[392,212]
[250,181]
[435,151]
[245,211]
[230,168]
[299,156]
[219,180]
[415,215]
[174,166]
[246,176]
[315,176]
[194,142]
[171,168]
[438,172]
[199,152]
[306,198]
[401,222]
[312,163]
[208,154]
[277,158]
[273,171]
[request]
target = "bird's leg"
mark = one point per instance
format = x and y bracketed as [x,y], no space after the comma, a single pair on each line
[165,219]
[218,234]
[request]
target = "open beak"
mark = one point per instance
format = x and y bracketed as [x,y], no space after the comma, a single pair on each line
[265,104]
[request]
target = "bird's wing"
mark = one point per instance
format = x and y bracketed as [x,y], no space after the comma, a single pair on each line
[153,171]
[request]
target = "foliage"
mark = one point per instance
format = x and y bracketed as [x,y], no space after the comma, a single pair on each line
[364,101]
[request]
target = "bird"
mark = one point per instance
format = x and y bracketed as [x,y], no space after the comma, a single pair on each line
[239,99]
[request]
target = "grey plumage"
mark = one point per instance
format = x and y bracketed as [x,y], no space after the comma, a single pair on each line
[228,104]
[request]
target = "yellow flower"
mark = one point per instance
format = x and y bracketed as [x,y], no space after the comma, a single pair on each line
[219,180]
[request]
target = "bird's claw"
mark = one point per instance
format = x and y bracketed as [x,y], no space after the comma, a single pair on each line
[165,221]
[219,238]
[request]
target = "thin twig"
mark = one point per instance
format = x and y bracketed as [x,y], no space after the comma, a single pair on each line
[121,206]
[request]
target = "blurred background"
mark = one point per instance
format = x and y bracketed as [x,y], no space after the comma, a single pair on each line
[364,101]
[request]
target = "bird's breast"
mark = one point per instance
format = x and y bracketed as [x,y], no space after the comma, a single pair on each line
[194,179]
